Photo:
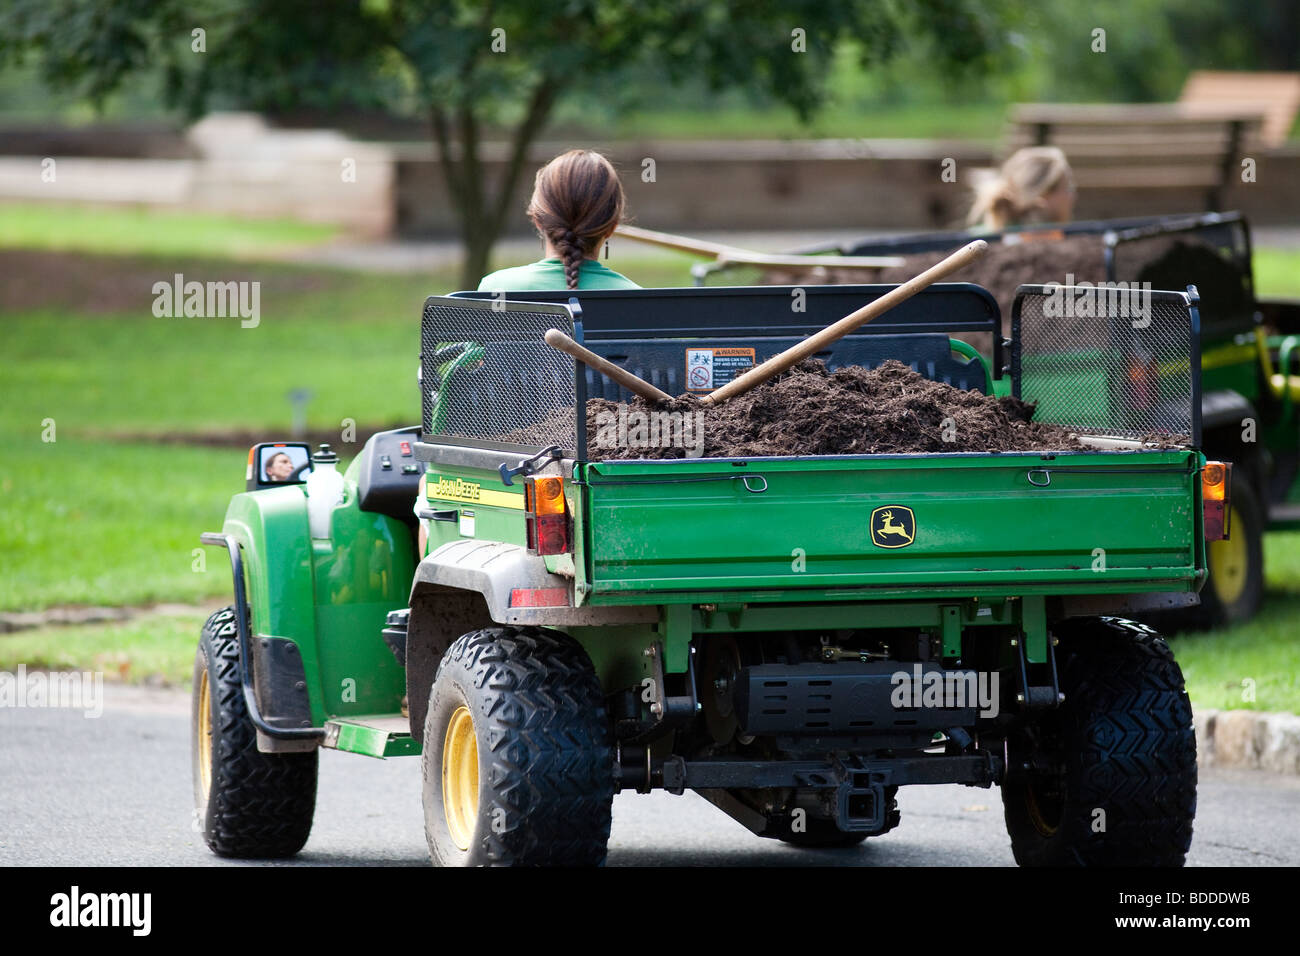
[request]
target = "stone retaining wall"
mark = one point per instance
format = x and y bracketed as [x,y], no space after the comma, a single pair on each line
[1248,739]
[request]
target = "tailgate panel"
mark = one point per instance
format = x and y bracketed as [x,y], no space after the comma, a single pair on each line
[1108,519]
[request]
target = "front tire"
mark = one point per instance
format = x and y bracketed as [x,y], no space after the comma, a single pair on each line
[247,804]
[518,762]
[1112,780]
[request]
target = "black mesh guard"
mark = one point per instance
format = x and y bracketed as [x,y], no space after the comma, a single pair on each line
[1211,252]
[1110,362]
[487,378]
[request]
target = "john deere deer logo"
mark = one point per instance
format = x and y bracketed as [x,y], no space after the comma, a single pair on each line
[893,527]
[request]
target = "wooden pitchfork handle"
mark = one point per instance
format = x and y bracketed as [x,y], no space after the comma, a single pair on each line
[726,254]
[639,386]
[832,333]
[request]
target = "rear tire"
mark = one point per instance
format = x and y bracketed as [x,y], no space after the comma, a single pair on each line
[518,761]
[247,804]
[1115,776]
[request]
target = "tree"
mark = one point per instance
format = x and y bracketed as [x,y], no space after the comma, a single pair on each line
[1152,45]
[475,68]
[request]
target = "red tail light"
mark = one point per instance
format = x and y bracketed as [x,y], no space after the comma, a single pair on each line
[1216,504]
[546,516]
[1143,381]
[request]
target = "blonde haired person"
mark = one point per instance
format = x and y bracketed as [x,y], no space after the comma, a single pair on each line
[1035,185]
[576,205]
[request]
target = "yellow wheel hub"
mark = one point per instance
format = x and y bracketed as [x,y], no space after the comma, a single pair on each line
[1230,562]
[460,777]
[1036,815]
[205,735]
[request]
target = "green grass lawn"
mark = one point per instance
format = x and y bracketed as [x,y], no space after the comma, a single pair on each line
[65,227]
[1265,651]
[89,522]
[91,518]
[354,345]
[1277,272]
[156,647]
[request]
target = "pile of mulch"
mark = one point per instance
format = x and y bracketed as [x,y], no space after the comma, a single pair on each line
[1004,268]
[810,410]
[1166,261]
[1001,270]
[1175,262]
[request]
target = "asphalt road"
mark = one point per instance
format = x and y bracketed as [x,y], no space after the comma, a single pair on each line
[115,791]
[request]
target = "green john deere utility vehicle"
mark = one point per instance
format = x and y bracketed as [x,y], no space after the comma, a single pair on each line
[792,638]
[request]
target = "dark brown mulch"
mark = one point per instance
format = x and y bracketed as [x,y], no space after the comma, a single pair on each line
[1001,270]
[1166,261]
[810,410]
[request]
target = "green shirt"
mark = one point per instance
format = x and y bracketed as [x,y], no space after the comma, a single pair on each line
[548,274]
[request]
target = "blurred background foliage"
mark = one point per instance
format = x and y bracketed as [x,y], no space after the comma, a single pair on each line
[1045,54]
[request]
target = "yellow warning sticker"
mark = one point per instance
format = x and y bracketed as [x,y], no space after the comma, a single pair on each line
[458,489]
[707,369]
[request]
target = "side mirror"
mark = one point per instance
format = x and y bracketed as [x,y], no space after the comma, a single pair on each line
[277,463]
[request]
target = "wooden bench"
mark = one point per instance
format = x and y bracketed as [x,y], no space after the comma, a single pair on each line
[1275,95]
[1142,146]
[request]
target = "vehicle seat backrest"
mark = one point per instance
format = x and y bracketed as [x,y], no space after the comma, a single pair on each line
[663,361]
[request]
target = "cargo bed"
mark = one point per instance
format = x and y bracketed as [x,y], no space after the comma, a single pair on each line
[1122,517]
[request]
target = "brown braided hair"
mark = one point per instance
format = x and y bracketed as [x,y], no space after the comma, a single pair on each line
[577,201]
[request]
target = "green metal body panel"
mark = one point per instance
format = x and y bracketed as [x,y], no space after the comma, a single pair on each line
[681,623]
[618,653]
[373,737]
[1231,366]
[329,597]
[479,492]
[1234,365]
[980,525]
[271,526]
